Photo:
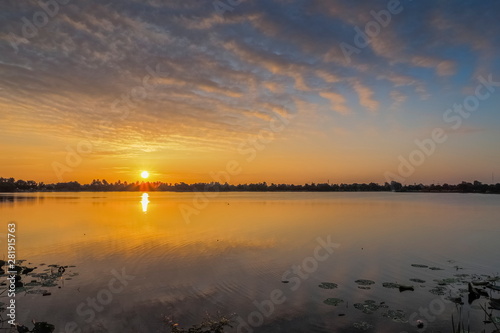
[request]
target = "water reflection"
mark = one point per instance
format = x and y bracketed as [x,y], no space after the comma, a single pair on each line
[144,202]
[14,198]
[237,250]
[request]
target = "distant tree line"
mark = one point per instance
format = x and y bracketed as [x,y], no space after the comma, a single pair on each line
[97,185]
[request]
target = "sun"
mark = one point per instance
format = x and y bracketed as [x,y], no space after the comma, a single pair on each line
[144,174]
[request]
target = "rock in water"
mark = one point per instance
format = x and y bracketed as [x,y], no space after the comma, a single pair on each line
[43,327]
[405,288]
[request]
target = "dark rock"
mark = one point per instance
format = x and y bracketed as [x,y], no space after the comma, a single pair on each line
[22,329]
[43,327]
[28,270]
[405,288]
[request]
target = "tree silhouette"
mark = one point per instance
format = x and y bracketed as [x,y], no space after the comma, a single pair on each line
[97,185]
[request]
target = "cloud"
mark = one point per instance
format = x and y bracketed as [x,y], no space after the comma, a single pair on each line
[398,99]
[337,102]
[274,87]
[365,95]
[327,77]
[222,76]
[442,67]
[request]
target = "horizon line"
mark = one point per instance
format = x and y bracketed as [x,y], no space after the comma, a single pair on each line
[119,182]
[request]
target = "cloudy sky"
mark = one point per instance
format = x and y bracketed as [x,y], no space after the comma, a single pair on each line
[288,91]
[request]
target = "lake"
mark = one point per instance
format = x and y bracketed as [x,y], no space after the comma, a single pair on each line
[260,257]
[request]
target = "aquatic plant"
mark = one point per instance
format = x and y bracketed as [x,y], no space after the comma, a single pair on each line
[365,282]
[40,327]
[208,325]
[328,285]
[398,316]
[369,306]
[362,325]
[333,301]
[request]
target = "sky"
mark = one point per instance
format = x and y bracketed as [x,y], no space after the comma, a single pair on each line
[283,91]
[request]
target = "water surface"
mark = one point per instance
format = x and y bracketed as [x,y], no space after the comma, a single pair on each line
[235,252]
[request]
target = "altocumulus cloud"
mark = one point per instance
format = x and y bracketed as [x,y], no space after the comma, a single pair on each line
[220,76]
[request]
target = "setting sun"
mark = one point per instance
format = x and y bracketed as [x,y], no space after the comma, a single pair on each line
[144,174]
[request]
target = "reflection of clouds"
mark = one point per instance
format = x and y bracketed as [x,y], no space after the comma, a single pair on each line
[145,202]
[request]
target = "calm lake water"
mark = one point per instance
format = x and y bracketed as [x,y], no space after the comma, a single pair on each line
[234,255]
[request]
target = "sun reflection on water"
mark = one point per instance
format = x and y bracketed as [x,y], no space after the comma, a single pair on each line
[145,202]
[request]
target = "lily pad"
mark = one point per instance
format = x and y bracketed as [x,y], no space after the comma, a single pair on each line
[362,325]
[417,280]
[364,282]
[461,275]
[419,266]
[390,285]
[480,283]
[444,282]
[438,290]
[457,300]
[398,316]
[369,306]
[333,301]
[32,284]
[40,275]
[328,285]
[36,291]
[436,268]
[49,283]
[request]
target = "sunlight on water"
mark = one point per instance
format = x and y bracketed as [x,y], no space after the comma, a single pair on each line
[239,248]
[145,202]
